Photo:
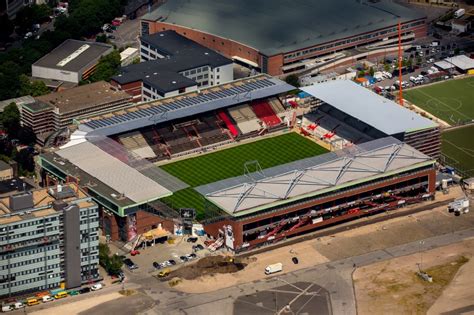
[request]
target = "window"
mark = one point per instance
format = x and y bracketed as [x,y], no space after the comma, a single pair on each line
[218,69]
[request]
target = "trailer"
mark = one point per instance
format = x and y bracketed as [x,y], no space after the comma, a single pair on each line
[459,13]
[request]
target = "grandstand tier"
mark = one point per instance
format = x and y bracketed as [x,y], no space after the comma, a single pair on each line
[264,111]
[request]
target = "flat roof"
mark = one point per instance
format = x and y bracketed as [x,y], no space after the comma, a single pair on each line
[280,26]
[462,62]
[73,55]
[369,107]
[184,105]
[113,172]
[444,65]
[313,176]
[43,204]
[19,101]
[181,54]
[82,97]
[4,166]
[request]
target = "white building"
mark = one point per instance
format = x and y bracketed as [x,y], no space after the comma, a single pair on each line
[171,65]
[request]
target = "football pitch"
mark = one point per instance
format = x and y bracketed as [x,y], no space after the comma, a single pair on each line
[451,101]
[230,162]
[458,147]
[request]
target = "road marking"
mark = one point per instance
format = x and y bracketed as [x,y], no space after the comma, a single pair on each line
[432,97]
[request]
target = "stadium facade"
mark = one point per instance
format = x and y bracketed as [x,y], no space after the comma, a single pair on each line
[284,33]
[287,200]
[111,156]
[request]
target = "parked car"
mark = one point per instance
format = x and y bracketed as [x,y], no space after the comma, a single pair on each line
[198,247]
[170,262]
[295,260]
[84,290]
[192,239]
[46,299]
[191,256]
[130,264]
[156,265]
[183,258]
[164,273]
[97,287]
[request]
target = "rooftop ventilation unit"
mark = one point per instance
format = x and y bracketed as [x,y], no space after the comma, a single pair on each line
[74,55]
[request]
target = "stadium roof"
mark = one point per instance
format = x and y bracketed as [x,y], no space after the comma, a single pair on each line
[283,25]
[462,62]
[73,55]
[114,173]
[164,74]
[369,107]
[184,105]
[313,176]
[83,97]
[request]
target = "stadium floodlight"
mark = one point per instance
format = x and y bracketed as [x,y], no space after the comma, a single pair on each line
[253,167]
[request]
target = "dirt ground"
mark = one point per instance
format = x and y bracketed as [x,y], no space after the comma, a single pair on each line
[392,287]
[210,265]
[79,306]
[307,255]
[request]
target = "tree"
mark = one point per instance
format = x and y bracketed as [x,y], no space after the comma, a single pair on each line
[33,88]
[6,27]
[371,71]
[107,67]
[33,14]
[292,79]
[101,38]
[104,252]
[26,162]
[11,118]
[386,67]
[114,265]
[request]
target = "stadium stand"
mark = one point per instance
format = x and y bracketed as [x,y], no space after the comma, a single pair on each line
[245,118]
[223,116]
[264,111]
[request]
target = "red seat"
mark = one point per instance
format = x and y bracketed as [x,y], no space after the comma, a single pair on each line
[264,112]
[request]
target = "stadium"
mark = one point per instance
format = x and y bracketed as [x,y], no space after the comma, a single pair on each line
[234,154]
[285,33]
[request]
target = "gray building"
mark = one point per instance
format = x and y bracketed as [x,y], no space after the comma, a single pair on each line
[72,61]
[48,238]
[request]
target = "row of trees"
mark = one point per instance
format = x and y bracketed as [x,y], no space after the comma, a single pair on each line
[10,120]
[112,264]
[84,20]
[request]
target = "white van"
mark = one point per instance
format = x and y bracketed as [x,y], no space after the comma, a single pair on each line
[273,268]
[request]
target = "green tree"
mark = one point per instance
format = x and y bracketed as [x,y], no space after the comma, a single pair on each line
[292,79]
[33,14]
[386,67]
[33,88]
[6,27]
[371,71]
[107,67]
[11,118]
[104,253]
[101,38]
[114,265]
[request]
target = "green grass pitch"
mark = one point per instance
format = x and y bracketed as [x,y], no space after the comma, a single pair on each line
[230,162]
[451,101]
[458,146]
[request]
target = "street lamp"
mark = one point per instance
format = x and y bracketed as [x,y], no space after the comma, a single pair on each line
[420,266]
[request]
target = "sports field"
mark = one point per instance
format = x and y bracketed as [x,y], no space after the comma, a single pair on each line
[230,162]
[458,146]
[451,101]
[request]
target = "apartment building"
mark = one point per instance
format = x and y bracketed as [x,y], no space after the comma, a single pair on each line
[48,238]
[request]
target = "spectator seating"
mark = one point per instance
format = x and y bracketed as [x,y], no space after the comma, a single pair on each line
[264,111]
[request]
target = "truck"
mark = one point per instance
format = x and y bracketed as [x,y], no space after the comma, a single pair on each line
[273,268]
[459,13]
[458,206]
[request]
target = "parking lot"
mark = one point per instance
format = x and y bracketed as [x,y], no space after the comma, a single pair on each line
[162,252]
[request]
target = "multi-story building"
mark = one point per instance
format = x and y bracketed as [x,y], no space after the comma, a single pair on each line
[72,61]
[276,37]
[172,65]
[55,111]
[48,237]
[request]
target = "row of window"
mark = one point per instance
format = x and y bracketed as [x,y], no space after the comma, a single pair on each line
[350,40]
[27,281]
[31,261]
[30,223]
[30,233]
[34,251]
[34,270]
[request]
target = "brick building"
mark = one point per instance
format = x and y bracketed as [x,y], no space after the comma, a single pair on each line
[283,36]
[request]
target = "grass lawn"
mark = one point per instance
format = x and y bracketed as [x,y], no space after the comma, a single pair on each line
[458,146]
[452,101]
[230,162]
